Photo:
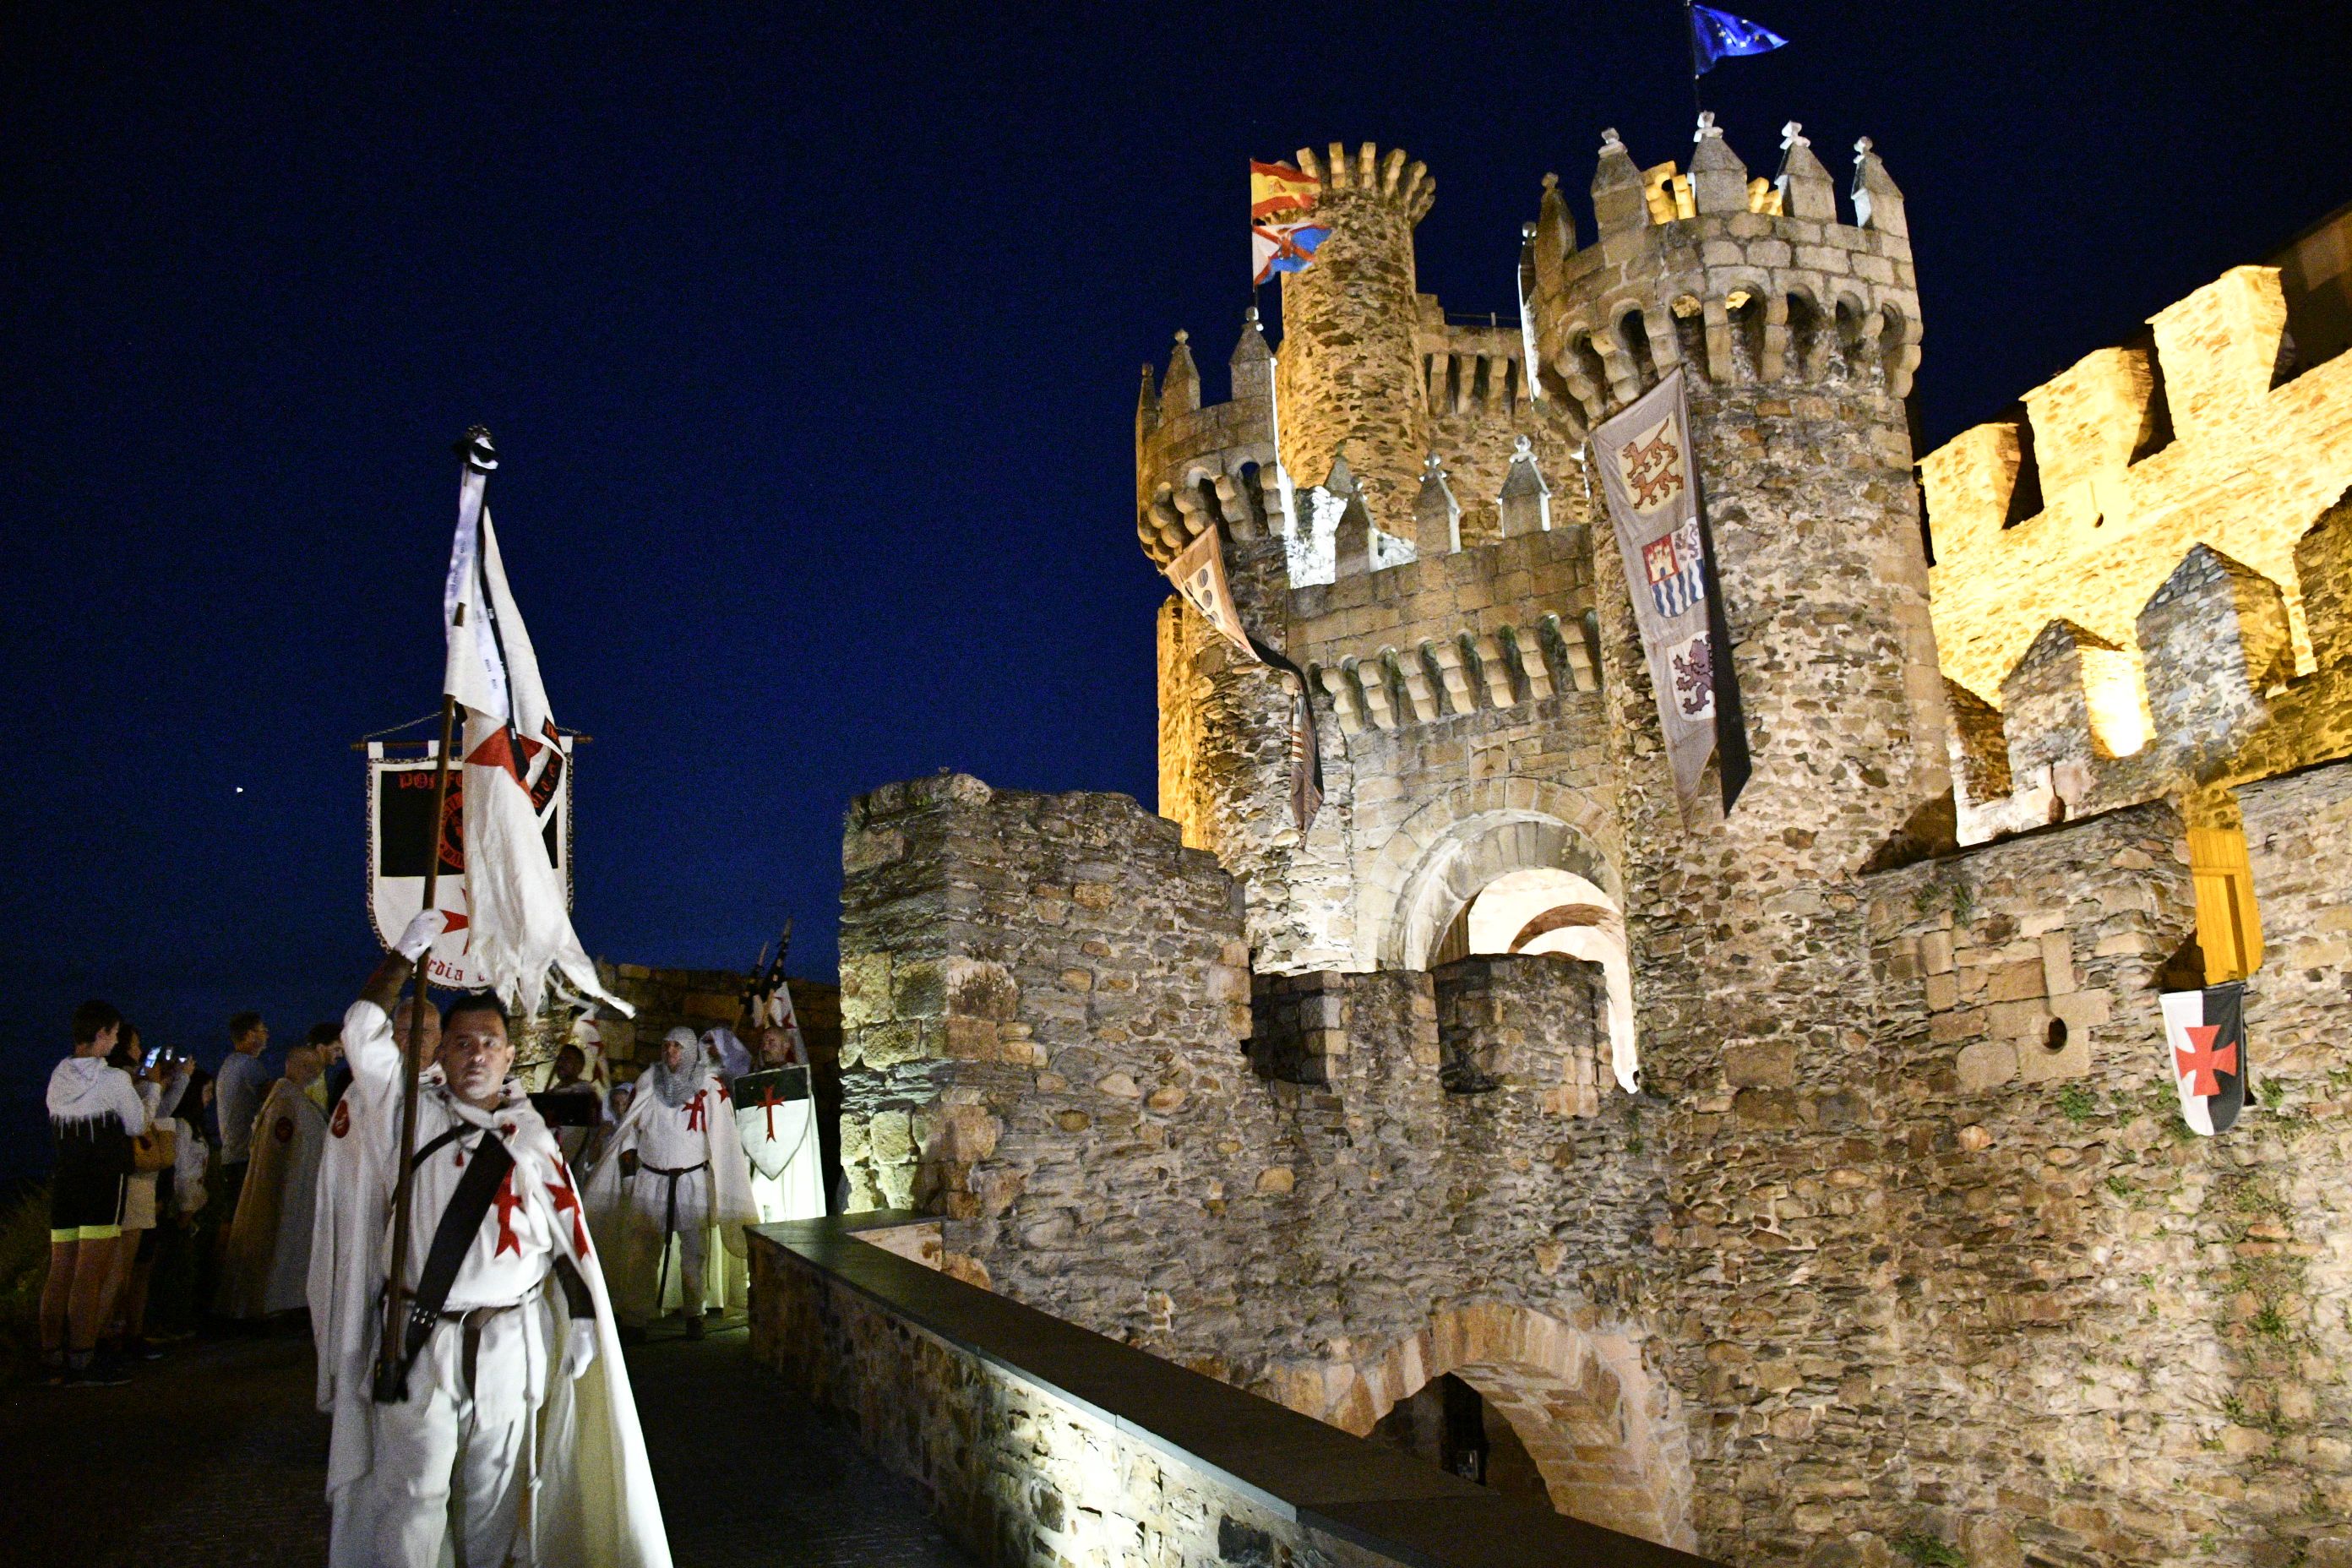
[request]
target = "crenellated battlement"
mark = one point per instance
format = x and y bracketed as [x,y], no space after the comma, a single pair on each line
[1741,281]
[2205,694]
[2212,428]
[1195,463]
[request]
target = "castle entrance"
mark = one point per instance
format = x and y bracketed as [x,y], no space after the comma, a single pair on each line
[1514,880]
[1524,1402]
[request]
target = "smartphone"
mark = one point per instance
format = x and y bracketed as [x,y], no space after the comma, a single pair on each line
[155,1054]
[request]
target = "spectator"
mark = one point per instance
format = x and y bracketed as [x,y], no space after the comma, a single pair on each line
[573,1108]
[327,1039]
[171,1299]
[94,1114]
[146,1193]
[238,1090]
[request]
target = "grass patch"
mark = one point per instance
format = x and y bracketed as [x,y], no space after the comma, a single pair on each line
[2077,1104]
[1928,1551]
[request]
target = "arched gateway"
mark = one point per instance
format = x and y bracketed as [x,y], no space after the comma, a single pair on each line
[1599,1428]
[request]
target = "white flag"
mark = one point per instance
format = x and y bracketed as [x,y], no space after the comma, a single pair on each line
[516,925]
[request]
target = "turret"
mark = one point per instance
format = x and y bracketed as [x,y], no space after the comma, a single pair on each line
[1756,291]
[1350,370]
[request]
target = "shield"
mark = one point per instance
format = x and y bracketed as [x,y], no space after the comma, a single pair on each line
[775,1115]
[2205,1047]
[402,834]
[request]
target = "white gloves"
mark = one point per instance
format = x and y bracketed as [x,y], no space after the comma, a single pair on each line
[580,1351]
[420,935]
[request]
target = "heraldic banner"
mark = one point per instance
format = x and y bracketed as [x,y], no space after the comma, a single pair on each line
[1645,458]
[1197,573]
[401,835]
[2205,1047]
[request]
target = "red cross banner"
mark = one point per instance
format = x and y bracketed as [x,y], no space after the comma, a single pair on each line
[2205,1050]
[1646,471]
[518,919]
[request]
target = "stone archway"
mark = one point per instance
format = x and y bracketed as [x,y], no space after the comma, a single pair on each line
[1602,1430]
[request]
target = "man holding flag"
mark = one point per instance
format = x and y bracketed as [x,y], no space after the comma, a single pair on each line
[467,1351]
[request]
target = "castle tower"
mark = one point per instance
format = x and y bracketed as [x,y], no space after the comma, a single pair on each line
[1797,335]
[1350,372]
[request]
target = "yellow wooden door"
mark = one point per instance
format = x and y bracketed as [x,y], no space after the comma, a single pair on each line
[2229,926]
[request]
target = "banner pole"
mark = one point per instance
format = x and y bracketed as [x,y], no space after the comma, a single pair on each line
[391,1381]
[391,1386]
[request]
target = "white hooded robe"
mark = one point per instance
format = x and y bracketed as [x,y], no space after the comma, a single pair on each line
[592,1502]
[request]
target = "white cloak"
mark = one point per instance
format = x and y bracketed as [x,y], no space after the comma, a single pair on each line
[593,1502]
[633,1241]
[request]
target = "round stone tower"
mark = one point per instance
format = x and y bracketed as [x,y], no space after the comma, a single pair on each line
[1796,334]
[1350,372]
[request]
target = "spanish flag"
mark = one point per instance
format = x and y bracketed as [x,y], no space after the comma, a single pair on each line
[1278,188]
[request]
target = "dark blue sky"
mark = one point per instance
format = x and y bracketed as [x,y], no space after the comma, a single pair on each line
[809,336]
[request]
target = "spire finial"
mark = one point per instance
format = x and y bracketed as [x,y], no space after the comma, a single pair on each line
[1183,336]
[1527,232]
[1250,315]
[1551,182]
[1609,138]
[1707,126]
[1792,135]
[1523,450]
[1862,149]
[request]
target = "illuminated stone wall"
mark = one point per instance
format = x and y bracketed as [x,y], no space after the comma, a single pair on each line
[1878,1255]
[1066,1064]
[2237,444]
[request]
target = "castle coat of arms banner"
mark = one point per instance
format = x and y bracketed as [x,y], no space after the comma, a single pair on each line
[401,833]
[1645,458]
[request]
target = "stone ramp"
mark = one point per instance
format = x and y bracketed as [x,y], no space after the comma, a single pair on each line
[215,1456]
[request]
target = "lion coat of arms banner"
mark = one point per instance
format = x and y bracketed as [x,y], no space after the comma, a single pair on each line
[1645,458]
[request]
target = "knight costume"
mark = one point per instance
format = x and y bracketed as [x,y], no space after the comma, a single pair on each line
[518,1439]
[671,1174]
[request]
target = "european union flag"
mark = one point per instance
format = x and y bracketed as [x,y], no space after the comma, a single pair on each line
[1714,34]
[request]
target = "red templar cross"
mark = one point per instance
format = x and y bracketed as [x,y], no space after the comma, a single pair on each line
[2200,1062]
[694,1112]
[507,1203]
[567,1201]
[768,1102]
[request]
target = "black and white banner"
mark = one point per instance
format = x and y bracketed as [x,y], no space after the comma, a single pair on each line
[2205,1049]
[1645,458]
[402,834]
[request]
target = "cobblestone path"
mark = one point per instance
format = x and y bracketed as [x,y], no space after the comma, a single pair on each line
[215,1457]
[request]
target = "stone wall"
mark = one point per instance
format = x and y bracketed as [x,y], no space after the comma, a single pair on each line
[2131,1360]
[1019,1473]
[1047,1000]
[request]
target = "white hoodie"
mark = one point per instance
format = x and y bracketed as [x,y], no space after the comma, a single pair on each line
[84,1092]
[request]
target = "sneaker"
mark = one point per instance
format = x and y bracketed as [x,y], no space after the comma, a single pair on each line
[694,1326]
[143,1350]
[101,1371]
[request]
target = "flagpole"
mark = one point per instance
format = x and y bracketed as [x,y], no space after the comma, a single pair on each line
[1690,36]
[391,1385]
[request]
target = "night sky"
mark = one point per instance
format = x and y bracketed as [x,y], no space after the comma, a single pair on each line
[809,338]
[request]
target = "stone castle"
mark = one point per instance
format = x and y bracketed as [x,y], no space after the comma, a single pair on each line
[1802,1184]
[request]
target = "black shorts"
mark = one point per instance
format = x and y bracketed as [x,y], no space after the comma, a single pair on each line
[85,1204]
